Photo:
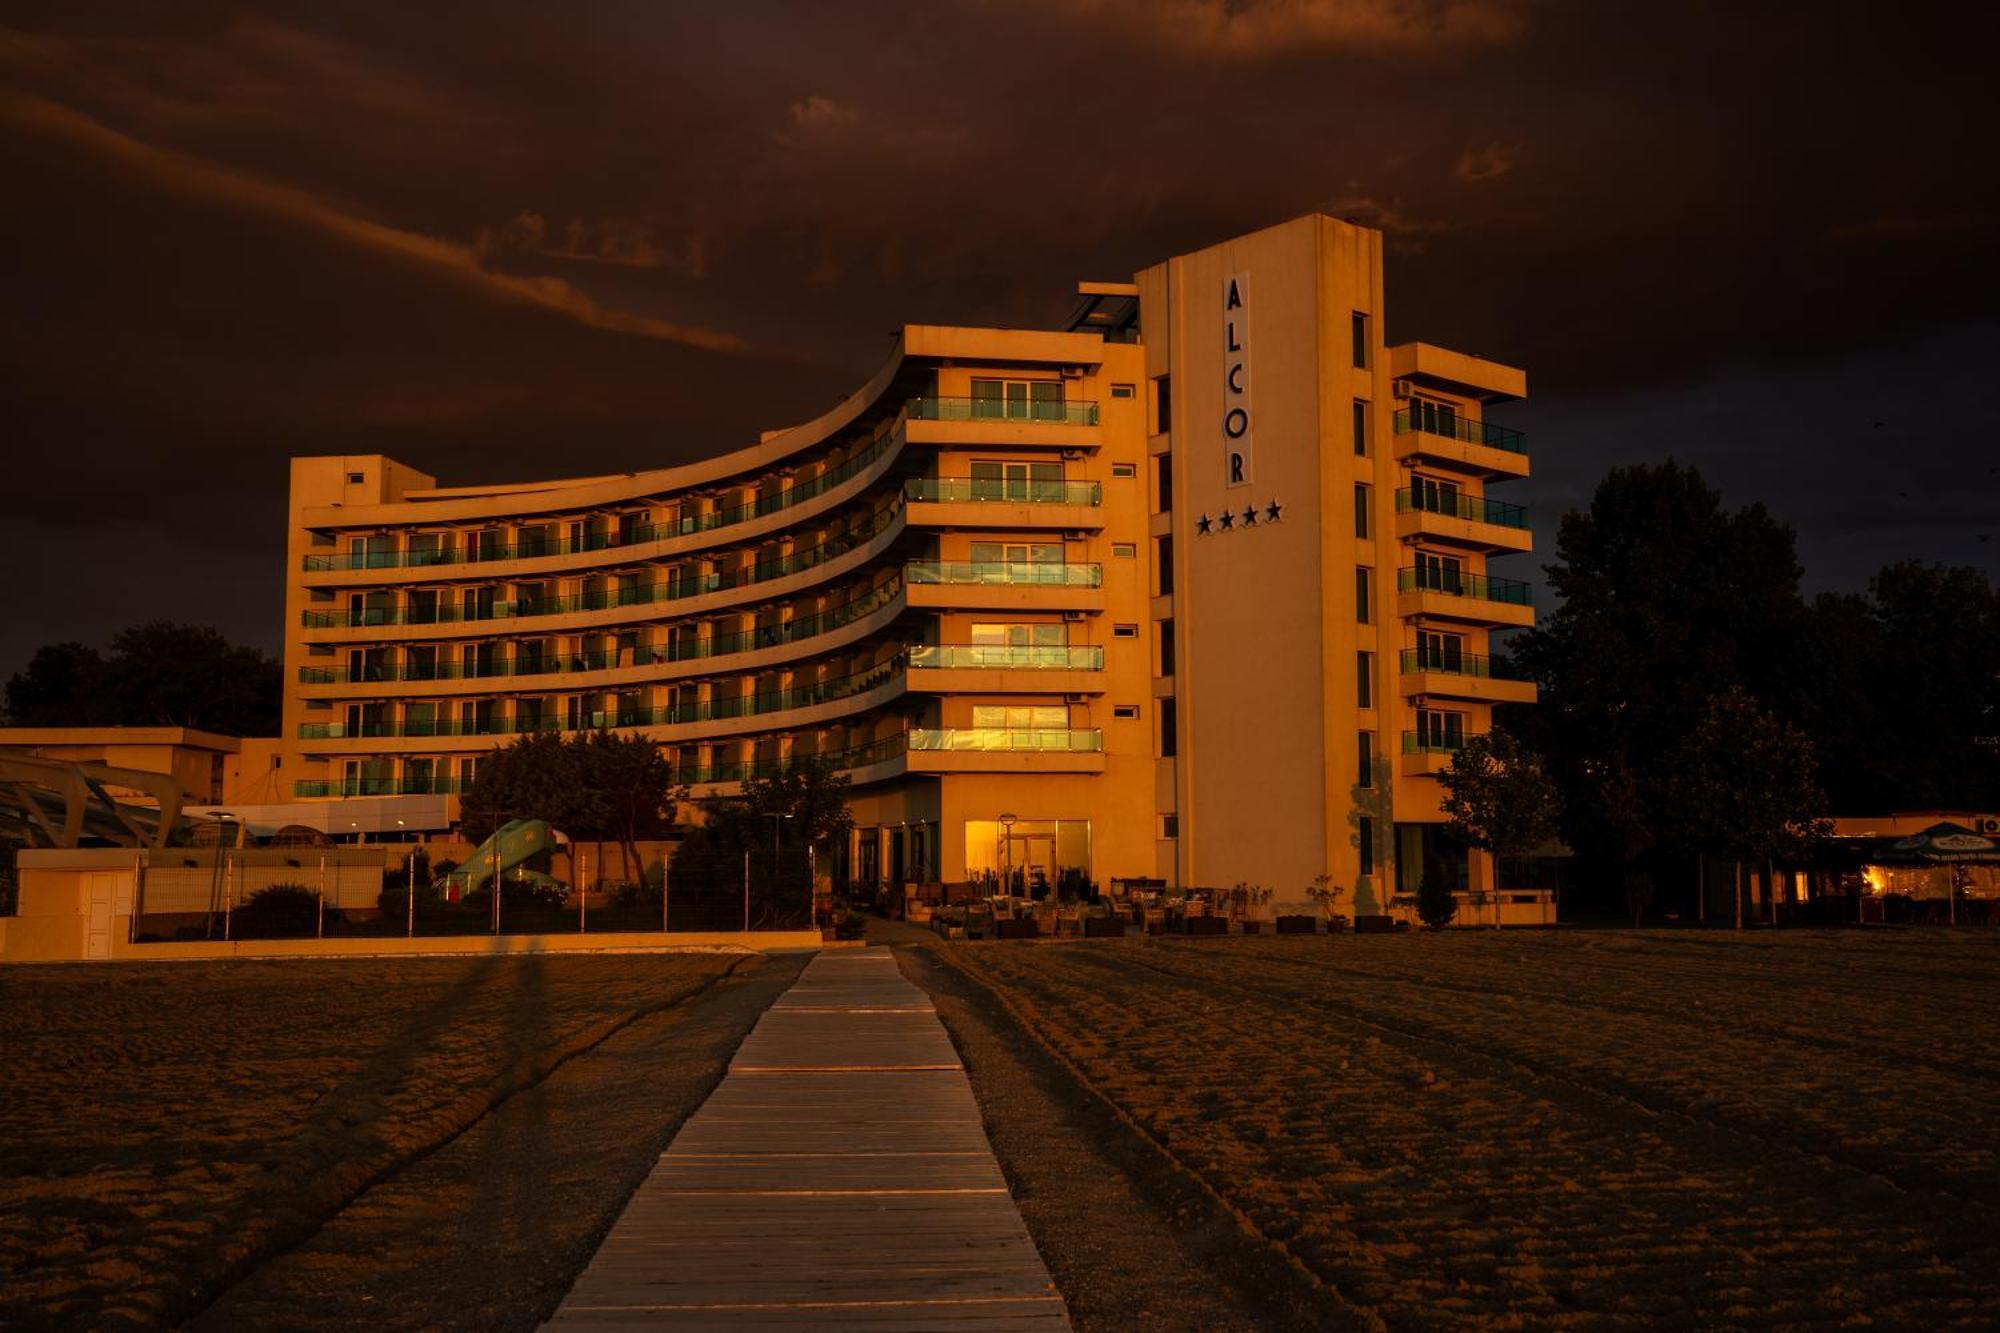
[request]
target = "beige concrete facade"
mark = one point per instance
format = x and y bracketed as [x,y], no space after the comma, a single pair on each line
[954,582]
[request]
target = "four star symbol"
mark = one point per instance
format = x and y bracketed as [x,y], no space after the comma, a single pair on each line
[1228,518]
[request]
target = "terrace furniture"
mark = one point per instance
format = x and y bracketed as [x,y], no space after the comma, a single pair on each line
[1298,925]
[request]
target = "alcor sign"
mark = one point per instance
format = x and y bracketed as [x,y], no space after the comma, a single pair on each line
[1236,451]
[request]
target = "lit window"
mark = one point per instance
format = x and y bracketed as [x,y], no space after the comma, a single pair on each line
[1121,391]
[1124,550]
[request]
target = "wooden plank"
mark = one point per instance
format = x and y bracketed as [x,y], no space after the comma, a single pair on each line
[838,1177]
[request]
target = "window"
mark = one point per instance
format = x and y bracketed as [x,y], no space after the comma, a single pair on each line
[1364,768]
[1362,610]
[1441,573]
[1166,548]
[1170,825]
[356,478]
[1020,717]
[1125,710]
[1017,481]
[1360,327]
[1364,683]
[1361,511]
[1439,731]
[1440,652]
[1367,840]
[1434,418]
[1163,404]
[1360,429]
[1124,469]
[1170,743]
[1017,400]
[1434,496]
[1167,647]
[1166,483]
[1121,391]
[1124,550]
[1124,631]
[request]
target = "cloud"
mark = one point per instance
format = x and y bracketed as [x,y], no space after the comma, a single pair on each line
[624,242]
[1260,28]
[1488,163]
[187,175]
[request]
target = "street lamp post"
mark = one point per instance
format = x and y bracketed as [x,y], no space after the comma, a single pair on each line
[1007,853]
[777,823]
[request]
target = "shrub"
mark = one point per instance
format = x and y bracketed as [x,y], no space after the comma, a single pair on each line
[282,911]
[850,926]
[1436,904]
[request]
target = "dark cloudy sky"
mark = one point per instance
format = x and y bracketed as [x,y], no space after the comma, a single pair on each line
[503,240]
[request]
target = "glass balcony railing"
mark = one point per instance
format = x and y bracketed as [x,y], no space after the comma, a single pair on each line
[1454,427]
[1456,664]
[1455,583]
[438,786]
[716,708]
[1434,742]
[1007,657]
[1043,572]
[957,490]
[473,550]
[1475,508]
[1000,739]
[795,630]
[1060,411]
[876,751]
[667,590]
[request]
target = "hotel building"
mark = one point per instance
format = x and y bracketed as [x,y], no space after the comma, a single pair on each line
[1194,590]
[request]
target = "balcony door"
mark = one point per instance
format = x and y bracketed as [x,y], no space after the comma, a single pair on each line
[1440,652]
[1441,573]
[1434,496]
[1017,400]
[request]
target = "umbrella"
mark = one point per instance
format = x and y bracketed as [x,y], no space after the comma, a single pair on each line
[1941,843]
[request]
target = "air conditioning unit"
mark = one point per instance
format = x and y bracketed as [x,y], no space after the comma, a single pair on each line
[1076,698]
[1075,615]
[1075,455]
[1401,388]
[1073,372]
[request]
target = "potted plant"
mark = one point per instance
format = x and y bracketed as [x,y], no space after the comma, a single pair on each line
[1324,894]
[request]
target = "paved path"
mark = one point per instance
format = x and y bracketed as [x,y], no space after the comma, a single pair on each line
[839,1177]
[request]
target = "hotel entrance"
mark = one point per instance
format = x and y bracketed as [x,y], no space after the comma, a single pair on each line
[1031,858]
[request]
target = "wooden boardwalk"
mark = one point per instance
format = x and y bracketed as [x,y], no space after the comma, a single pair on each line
[839,1177]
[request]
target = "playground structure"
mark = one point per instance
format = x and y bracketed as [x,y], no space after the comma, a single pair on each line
[506,853]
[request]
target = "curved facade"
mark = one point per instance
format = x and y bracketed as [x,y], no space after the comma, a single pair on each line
[1006,584]
[918,583]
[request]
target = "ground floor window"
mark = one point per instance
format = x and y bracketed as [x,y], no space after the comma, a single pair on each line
[1029,856]
[1429,851]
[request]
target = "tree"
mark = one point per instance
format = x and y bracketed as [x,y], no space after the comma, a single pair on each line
[158,674]
[1746,785]
[1668,599]
[1499,798]
[625,789]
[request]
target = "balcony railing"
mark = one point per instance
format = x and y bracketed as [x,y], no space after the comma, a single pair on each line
[1061,412]
[474,551]
[1007,657]
[1454,583]
[1035,572]
[1434,742]
[437,786]
[1002,739]
[1456,664]
[718,708]
[1451,504]
[1454,427]
[957,490]
[736,770]
[797,629]
[671,589]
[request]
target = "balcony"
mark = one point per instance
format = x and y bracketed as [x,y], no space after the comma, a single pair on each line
[994,750]
[1060,412]
[800,629]
[1462,520]
[963,502]
[717,708]
[1426,754]
[994,585]
[1444,594]
[475,552]
[668,590]
[437,786]
[1456,441]
[1006,669]
[848,760]
[1460,676]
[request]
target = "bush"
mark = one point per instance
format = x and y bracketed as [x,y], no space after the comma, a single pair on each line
[282,911]
[850,926]
[1436,905]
